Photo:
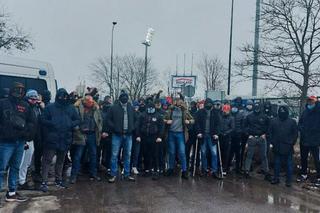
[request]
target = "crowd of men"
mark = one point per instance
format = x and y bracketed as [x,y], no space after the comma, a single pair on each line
[147,137]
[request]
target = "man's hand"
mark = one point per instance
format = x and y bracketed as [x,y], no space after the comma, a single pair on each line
[199,135]
[187,122]
[104,135]
[264,136]
[216,137]
[159,140]
[138,139]
[169,122]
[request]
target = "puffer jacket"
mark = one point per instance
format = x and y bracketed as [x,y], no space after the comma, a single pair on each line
[150,125]
[227,125]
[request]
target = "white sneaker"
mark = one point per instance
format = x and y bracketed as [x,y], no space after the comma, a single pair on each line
[135,170]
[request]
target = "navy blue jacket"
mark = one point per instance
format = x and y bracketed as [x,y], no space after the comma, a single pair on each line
[309,127]
[60,121]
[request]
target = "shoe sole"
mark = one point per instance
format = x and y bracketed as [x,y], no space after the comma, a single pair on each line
[15,200]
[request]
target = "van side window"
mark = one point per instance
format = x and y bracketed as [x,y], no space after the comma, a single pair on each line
[30,83]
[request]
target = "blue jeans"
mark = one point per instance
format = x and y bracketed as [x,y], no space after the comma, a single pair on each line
[176,140]
[208,144]
[277,166]
[10,155]
[77,152]
[126,142]
[91,144]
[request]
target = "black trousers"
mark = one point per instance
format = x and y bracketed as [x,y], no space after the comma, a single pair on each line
[191,144]
[243,149]
[235,150]
[225,144]
[38,152]
[305,150]
[151,153]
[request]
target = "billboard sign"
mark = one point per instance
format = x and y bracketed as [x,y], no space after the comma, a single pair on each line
[183,81]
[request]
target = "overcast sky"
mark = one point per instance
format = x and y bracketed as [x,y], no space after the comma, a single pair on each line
[71,34]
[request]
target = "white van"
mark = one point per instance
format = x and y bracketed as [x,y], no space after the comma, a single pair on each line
[33,74]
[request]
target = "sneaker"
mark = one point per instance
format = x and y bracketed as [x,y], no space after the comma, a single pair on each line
[267,177]
[288,184]
[44,187]
[15,198]
[185,175]
[72,180]
[95,178]
[25,186]
[302,178]
[317,183]
[146,173]
[216,176]
[135,171]
[61,184]
[112,179]
[247,175]
[156,176]
[130,178]
[275,181]
[169,172]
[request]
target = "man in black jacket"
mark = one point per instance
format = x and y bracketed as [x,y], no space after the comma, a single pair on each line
[106,136]
[257,125]
[207,126]
[149,132]
[60,118]
[121,122]
[17,123]
[283,134]
[309,127]
[236,137]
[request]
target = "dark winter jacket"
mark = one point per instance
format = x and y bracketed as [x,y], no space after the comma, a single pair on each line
[116,117]
[105,113]
[150,125]
[215,122]
[60,121]
[227,125]
[283,135]
[239,119]
[309,127]
[17,120]
[256,124]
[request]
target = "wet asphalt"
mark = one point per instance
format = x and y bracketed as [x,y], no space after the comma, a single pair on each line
[205,194]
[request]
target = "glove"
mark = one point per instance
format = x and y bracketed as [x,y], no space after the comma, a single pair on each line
[199,135]
[138,139]
[159,140]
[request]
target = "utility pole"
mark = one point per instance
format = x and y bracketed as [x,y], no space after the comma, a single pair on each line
[111,61]
[147,44]
[256,50]
[230,49]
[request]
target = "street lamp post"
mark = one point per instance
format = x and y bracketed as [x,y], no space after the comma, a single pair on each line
[111,60]
[230,49]
[147,43]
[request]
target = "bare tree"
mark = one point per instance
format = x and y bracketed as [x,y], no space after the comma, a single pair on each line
[131,75]
[212,72]
[12,36]
[289,54]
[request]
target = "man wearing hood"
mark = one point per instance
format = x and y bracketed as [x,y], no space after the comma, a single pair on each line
[87,136]
[17,123]
[60,118]
[309,127]
[149,132]
[208,123]
[283,134]
[257,124]
[178,119]
[121,122]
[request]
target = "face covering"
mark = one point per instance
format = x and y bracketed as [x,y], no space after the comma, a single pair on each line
[257,109]
[217,106]
[234,110]
[63,100]
[18,92]
[151,110]
[283,114]
[88,102]
[124,99]
[142,108]
[33,101]
[249,107]
[311,106]
[208,106]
